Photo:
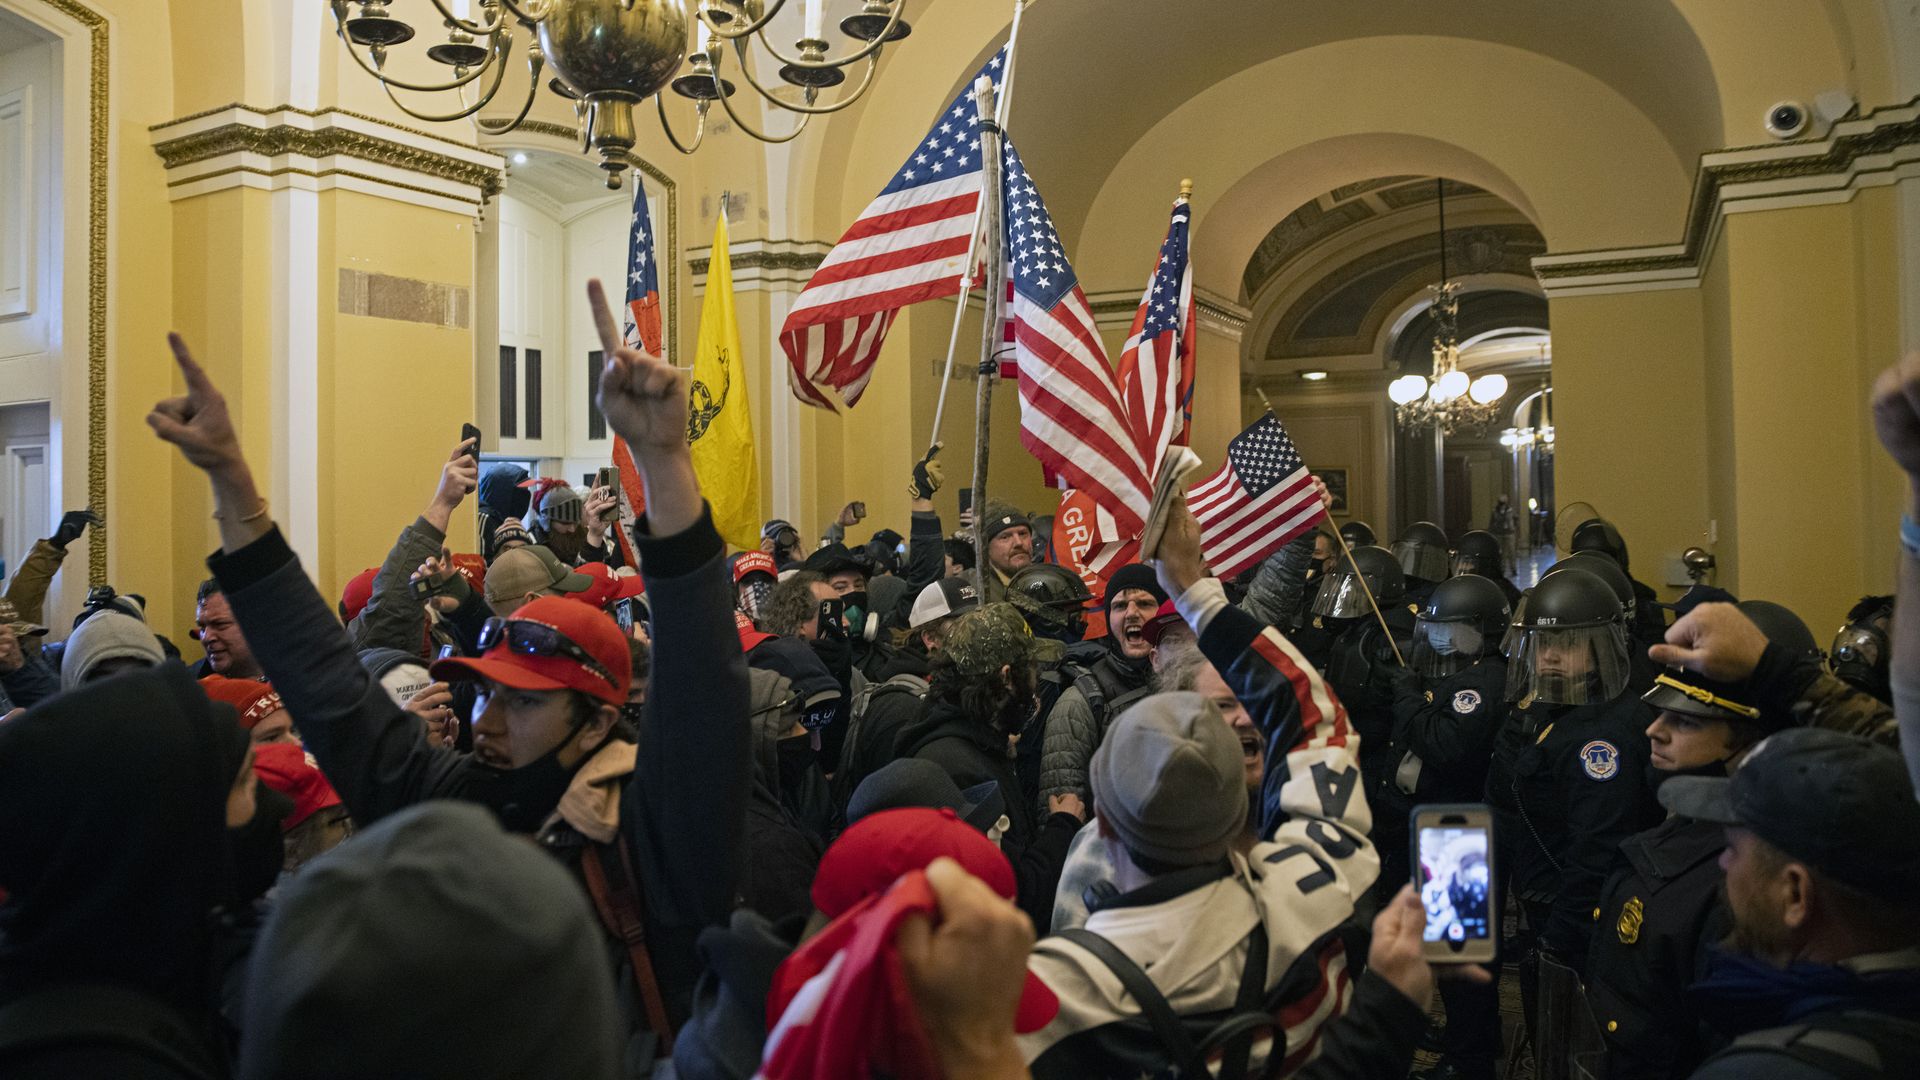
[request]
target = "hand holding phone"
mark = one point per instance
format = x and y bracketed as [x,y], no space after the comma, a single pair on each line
[469,433]
[1453,873]
[608,480]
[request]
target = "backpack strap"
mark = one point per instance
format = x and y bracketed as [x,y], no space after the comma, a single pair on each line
[616,897]
[1153,1004]
[99,1015]
[1848,1045]
[1235,1034]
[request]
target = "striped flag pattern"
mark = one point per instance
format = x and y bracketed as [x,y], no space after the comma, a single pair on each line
[1261,497]
[641,330]
[1157,363]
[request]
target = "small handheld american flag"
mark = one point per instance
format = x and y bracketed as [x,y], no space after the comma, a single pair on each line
[1260,498]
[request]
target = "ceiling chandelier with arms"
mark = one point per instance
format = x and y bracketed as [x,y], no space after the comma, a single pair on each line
[608,56]
[1449,401]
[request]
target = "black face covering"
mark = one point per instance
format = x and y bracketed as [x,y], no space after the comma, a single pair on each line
[258,848]
[524,798]
[837,653]
[797,757]
[1656,777]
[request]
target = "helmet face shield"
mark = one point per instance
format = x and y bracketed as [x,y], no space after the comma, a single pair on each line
[1422,560]
[1441,649]
[1341,595]
[1477,564]
[1568,665]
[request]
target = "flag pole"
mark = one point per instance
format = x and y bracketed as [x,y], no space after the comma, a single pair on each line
[1357,575]
[990,197]
[973,241]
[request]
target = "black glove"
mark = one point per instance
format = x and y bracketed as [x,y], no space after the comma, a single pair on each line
[927,475]
[1402,680]
[72,524]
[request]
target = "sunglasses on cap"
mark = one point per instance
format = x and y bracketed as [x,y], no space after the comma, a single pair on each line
[537,639]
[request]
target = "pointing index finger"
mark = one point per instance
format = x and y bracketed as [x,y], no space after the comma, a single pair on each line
[196,376]
[610,338]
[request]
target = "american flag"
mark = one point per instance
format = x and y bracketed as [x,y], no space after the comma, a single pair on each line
[1071,419]
[641,331]
[1157,364]
[910,244]
[1260,498]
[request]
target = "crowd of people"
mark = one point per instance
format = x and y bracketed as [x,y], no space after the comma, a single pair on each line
[888,808]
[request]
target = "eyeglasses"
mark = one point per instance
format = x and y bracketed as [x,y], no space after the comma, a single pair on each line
[537,639]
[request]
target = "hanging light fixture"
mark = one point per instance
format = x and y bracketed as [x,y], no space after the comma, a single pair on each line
[1449,400]
[611,55]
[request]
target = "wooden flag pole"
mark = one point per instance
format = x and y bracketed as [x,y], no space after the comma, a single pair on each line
[1358,576]
[990,197]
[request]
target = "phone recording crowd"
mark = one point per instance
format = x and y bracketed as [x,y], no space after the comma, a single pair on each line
[916,808]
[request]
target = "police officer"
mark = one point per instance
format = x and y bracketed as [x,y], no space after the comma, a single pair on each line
[1640,670]
[1447,710]
[1569,775]
[1358,534]
[1862,654]
[1479,553]
[1598,535]
[1425,558]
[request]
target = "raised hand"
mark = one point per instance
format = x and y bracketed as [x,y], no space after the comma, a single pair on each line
[459,476]
[72,524]
[1178,561]
[1716,640]
[197,423]
[928,475]
[433,704]
[966,974]
[643,397]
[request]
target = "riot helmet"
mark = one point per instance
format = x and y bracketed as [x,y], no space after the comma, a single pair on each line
[1782,627]
[1603,568]
[1341,595]
[1861,655]
[1598,535]
[1052,598]
[1515,624]
[1480,553]
[1422,551]
[1358,534]
[1461,622]
[1572,646]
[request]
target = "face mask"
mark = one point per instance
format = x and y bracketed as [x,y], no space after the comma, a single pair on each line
[857,616]
[1656,777]
[797,759]
[257,847]
[524,798]
[837,653]
[754,596]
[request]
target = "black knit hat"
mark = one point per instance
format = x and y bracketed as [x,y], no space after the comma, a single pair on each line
[1133,576]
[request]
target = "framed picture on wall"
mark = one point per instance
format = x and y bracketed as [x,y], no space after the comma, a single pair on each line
[1336,480]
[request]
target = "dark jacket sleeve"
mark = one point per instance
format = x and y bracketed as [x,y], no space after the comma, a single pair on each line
[28,588]
[926,551]
[684,809]
[1036,872]
[1375,1037]
[1279,587]
[1439,732]
[34,682]
[373,753]
[1816,698]
[393,619]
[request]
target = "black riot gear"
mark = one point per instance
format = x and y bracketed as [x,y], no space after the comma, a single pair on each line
[1603,568]
[1422,551]
[1479,553]
[1053,599]
[1340,595]
[1781,626]
[1571,646]
[1461,622]
[1861,652]
[1598,535]
[1358,534]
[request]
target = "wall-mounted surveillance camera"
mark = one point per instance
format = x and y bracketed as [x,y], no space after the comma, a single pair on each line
[1786,120]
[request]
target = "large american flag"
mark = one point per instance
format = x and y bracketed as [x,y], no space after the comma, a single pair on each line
[1261,497]
[1071,419]
[910,244]
[641,331]
[1157,363]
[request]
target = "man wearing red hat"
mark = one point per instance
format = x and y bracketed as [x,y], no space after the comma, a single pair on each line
[656,838]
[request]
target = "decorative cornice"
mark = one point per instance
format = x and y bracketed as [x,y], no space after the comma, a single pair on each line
[242,146]
[763,264]
[1215,313]
[1880,148]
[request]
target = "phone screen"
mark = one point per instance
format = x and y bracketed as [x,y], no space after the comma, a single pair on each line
[1456,885]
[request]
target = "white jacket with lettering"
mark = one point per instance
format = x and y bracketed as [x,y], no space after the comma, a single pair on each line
[1190,930]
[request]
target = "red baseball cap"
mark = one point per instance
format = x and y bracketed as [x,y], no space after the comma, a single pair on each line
[473,568]
[252,699]
[291,771]
[593,630]
[880,847]
[754,562]
[608,586]
[750,635]
[1167,616]
[358,593]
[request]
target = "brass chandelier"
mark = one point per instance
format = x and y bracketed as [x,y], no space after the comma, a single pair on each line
[1448,401]
[609,55]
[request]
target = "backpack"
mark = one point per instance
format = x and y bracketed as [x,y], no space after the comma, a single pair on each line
[843,774]
[1855,1043]
[82,1015]
[1233,1037]
[614,888]
[1082,669]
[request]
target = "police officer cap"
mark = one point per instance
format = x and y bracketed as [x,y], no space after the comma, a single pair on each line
[1424,532]
[1569,598]
[1691,694]
[1048,591]
[1358,534]
[1381,572]
[1479,544]
[1599,535]
[1467,599]
[1601,567]
[1782,627]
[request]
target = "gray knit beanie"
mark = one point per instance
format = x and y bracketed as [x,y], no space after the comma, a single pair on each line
[108,635]
[1169,780]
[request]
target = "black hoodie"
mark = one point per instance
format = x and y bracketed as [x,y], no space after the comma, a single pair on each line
[115,856]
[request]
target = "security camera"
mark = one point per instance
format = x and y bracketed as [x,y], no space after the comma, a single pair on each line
[1786,119]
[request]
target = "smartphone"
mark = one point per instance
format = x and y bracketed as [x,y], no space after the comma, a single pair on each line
[447,652]
[1453,870]
[833,619]
[966,500]
[422,588]
[468,431]
[609,478]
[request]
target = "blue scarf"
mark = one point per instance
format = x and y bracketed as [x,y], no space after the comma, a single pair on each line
[1742,993]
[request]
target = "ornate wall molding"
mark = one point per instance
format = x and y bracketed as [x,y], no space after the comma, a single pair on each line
[269,149]
[1216,314]
[1875,150]
[763,264]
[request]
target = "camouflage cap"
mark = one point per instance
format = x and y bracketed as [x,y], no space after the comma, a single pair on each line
[10,617]
[989,638]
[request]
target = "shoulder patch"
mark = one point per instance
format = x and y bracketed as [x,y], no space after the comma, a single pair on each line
[1630,918]
[1600,759]
[1466,701]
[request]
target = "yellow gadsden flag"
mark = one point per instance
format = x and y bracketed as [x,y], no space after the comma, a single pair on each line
[719,418]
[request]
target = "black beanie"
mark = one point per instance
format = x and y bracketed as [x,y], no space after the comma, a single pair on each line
[1133,576]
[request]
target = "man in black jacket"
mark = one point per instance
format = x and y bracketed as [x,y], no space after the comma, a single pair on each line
[694,776]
